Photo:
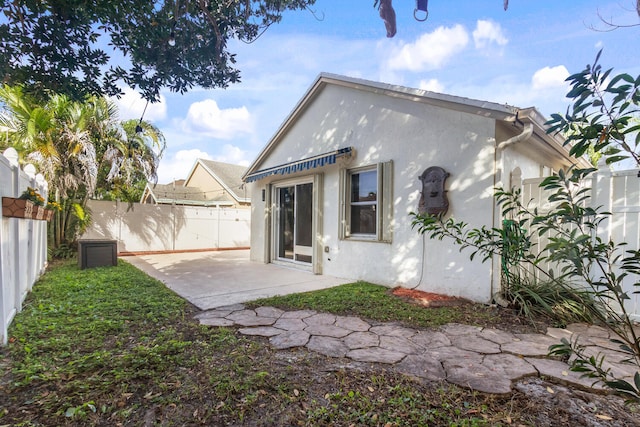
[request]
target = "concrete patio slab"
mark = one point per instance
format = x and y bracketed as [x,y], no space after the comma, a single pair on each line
[214,279]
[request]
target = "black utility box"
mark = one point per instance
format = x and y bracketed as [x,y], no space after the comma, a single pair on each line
[97,253]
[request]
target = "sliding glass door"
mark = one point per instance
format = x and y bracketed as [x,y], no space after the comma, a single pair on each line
[294,223]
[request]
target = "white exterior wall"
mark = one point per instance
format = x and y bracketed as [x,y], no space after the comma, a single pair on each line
[414,136]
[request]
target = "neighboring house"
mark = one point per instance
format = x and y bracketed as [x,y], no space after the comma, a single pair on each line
[334,188]
[209,183]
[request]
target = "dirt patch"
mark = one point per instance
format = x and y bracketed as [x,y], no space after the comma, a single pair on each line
[428,299]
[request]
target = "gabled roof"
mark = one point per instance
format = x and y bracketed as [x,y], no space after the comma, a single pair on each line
[499,112]
[179,195]
[229,176]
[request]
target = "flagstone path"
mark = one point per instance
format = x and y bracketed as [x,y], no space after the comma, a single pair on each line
[483,359]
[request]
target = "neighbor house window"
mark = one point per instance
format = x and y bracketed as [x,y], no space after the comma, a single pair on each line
[367,211]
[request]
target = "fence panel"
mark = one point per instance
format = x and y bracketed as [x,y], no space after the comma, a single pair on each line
[625,224]
[165,228]
[614,192]
[23,243]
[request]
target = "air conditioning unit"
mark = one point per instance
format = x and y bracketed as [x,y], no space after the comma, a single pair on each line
[97,253]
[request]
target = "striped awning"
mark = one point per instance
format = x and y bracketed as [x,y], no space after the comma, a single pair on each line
[300,165]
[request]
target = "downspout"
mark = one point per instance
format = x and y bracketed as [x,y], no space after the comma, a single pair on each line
[526,133]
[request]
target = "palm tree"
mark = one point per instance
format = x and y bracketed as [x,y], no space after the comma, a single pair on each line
[134,159]
[71,142]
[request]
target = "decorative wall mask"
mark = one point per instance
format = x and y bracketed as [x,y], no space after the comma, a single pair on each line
[433,199]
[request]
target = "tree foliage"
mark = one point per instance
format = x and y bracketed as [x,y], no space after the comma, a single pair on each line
[604,115]
[78,47]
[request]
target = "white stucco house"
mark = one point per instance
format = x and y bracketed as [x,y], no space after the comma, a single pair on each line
[334,187]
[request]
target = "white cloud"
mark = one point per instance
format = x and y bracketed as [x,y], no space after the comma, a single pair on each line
[430,51]
[432,85]
[234,155]
[131,106]
[488,33]
[206,118]
[179,165]
[550,78]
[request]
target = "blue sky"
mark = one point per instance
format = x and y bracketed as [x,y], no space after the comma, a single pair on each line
[470,48]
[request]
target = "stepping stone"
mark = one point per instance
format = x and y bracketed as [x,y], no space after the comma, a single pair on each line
[393,331]
[231,307]
[216,321]
[430,339]
[298,314]
[559,333]
[209,314]
[262,331]
[376,354]
[400,344]
[242,314]
[559,371]
[604,343]
[353,323]
[586,330]
[451,353]
[487,373]
[320,319]
[453,329]
[328,346]
[477,378]
[532,345]
[269,312]
[361,340]
[327,331]
[509,366]
[249,318]
[475,343]
[614,360]
[422,366]
[289,339]
[471,373]
[496,335]
[290,324]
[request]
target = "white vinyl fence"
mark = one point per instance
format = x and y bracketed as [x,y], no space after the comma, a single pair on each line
[617,192]
[147,228]
[23,242]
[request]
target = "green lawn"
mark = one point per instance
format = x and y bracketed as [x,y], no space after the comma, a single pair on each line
[111,346]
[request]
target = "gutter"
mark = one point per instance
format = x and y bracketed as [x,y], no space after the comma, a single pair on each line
[526,133]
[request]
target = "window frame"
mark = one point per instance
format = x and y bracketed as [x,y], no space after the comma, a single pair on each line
[383,203]
[350,174]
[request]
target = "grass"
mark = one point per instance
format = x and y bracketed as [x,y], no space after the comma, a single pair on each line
[375,302]
[113,347]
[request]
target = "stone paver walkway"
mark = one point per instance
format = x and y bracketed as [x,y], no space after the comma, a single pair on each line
[482,359]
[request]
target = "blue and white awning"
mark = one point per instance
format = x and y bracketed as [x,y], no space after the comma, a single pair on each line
[300,165]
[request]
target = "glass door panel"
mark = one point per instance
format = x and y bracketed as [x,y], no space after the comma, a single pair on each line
[294,234]
[304,222]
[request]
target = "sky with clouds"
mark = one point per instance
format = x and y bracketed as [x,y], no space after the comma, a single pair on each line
[469,48]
